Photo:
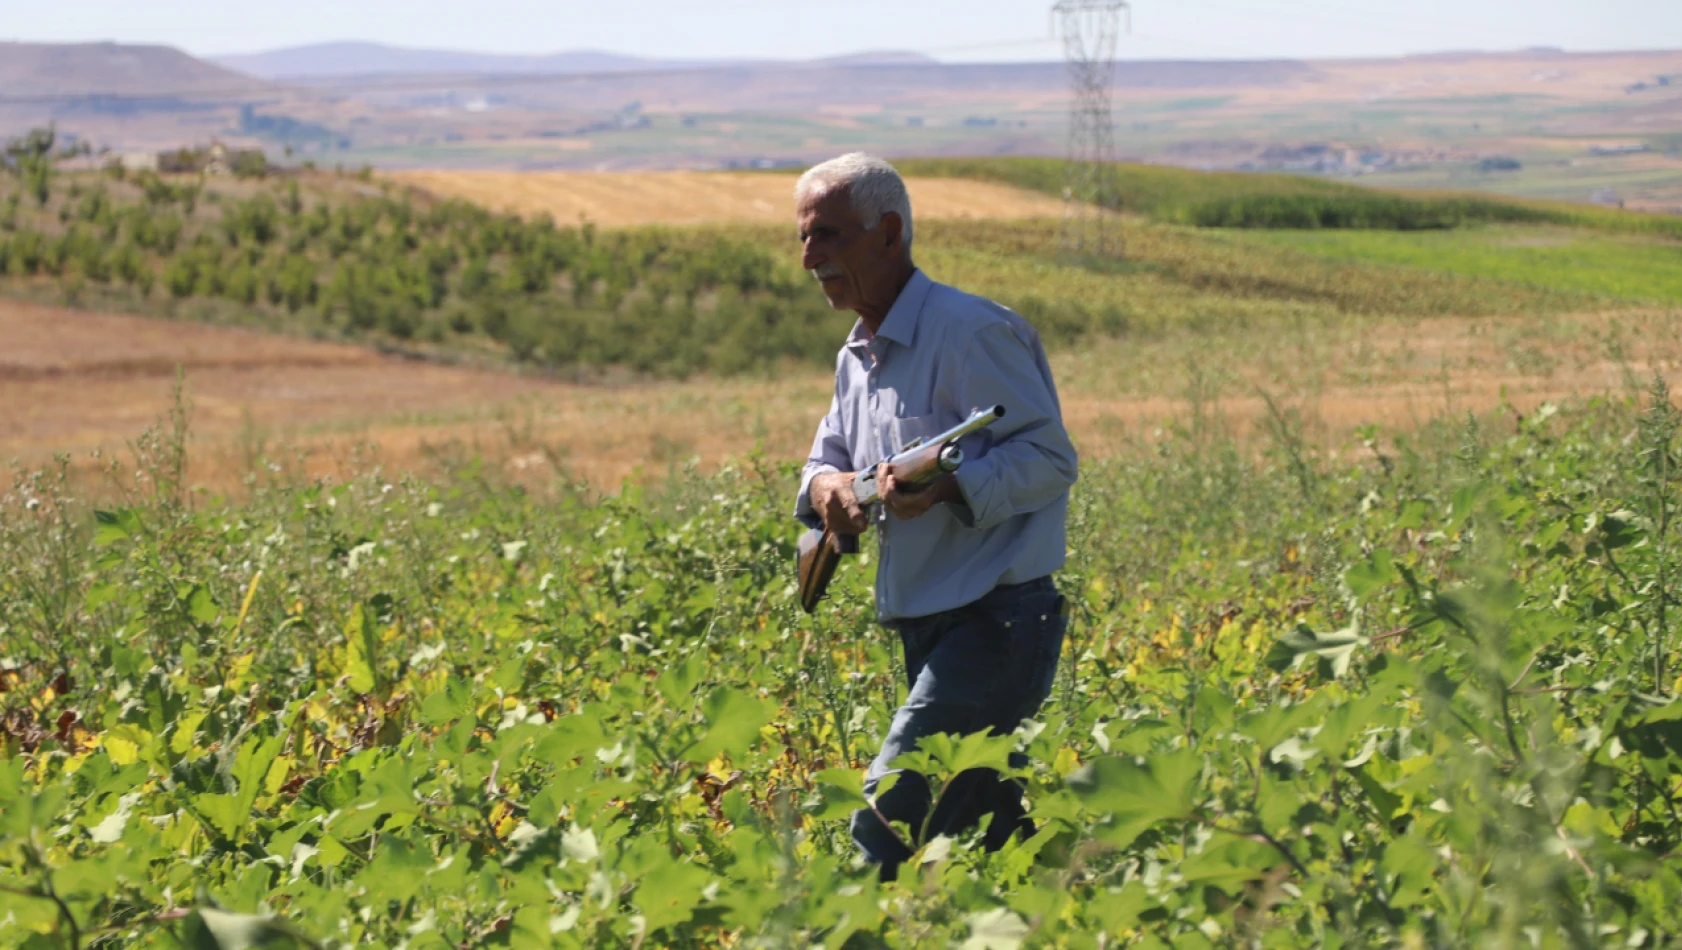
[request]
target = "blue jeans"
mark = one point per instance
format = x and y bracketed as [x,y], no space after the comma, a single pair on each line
[985,666]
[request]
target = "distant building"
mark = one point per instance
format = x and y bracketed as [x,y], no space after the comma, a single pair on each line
[136,161]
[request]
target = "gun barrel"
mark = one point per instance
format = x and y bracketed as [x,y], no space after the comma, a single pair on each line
[928,459]
[978,420]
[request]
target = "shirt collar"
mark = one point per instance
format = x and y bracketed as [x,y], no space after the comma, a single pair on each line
[900,325]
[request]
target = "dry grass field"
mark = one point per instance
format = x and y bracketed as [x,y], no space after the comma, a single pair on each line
[73,382]
[627,199]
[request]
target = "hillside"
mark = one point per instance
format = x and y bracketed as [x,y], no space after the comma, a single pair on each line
[360,260]
[63,71]
[1583,127]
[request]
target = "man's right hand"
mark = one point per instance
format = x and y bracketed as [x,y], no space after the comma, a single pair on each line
[833,500]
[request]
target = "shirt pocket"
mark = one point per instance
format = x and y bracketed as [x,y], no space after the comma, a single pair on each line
[905,429]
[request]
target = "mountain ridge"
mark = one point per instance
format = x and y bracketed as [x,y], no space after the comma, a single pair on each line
[350,58]
[128,69]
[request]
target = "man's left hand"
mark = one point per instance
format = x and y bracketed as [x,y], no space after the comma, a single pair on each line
[911,504]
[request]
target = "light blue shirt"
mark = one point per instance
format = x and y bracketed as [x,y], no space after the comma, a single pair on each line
[939,354]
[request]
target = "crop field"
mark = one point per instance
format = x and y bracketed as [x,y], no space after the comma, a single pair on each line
[447,599]
[85,383]
[626,199]
[1612,266]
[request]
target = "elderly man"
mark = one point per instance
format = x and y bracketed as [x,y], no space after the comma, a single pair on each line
[964,575]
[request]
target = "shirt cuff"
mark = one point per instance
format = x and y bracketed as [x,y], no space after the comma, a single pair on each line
[803,502]
[979,508]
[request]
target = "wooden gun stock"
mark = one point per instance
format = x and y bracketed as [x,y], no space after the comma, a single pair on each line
[820,552]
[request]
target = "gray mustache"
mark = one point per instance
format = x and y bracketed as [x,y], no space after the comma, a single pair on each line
[824,273]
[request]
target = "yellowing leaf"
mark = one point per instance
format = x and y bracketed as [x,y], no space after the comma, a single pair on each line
[125,743]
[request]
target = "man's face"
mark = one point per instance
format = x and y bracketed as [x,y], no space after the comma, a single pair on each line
[847,260]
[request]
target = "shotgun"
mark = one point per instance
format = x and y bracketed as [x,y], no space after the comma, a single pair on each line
[919,464]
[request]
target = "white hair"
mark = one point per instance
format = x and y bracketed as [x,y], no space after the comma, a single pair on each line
[874,188]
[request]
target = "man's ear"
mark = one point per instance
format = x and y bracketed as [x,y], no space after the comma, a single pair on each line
[893,231]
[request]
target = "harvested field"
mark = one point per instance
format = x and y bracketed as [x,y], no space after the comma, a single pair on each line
[73,382]
[612,199]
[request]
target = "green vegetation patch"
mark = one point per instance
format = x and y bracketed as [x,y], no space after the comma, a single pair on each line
[1426,698]
[1627,269]
[1254,200]
[337,257]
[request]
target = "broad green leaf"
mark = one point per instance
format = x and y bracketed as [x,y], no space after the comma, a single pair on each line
[127,744]
[733,720]
[839,793]
[186,729]
[201,606]
[1343,722]
[679,682]
[251,768]
[1303,643]
[1137,796]
[1229,862]
[1137,736]
[1410,863]
[448,704]
[941,756]
[1387,803]
[1272,724]
[222,812]
[1659,733]
[668,894]
[398,871]
[1371,575]
[362,650]
[1118,910]
[113,526]
[1213,710]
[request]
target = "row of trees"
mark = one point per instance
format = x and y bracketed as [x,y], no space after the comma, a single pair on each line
[446,274]
[30,159]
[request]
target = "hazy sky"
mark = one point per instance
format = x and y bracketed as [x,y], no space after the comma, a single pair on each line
[948,29]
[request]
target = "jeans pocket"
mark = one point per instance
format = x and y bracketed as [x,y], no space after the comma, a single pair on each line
[1024,627]
[1051,648]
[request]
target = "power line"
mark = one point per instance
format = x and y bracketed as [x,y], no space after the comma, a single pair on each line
[1090,29]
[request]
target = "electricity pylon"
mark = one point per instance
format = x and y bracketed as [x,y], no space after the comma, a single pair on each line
[1090,29]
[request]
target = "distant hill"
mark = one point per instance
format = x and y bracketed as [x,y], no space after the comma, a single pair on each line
[362,59]
[367,59]
[95,69]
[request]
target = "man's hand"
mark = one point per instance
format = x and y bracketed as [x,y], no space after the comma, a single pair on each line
[912,504]
[833,500]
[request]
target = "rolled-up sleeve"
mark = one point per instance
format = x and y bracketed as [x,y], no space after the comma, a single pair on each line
[1030,461]
[829,454]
